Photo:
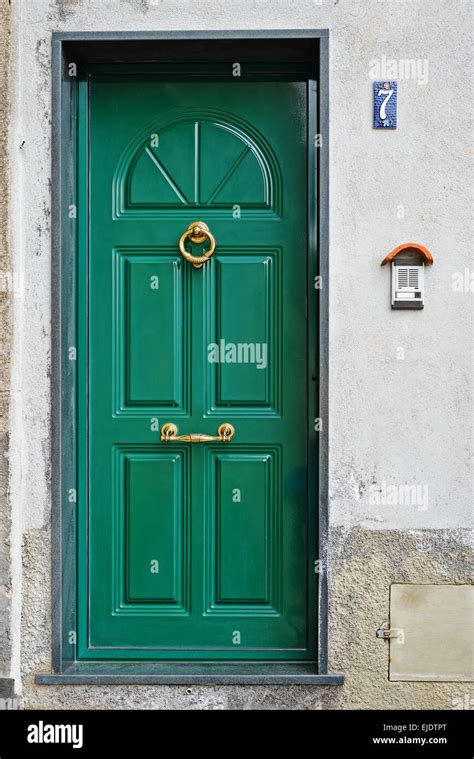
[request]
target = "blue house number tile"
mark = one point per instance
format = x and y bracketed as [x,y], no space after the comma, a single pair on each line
[385,105]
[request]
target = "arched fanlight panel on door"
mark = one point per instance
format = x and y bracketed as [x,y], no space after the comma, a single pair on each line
[207,160]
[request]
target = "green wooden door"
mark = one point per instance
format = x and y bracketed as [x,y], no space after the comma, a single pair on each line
[195,550]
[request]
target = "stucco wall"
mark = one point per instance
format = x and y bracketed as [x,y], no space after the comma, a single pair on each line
[5,338]
[400,384]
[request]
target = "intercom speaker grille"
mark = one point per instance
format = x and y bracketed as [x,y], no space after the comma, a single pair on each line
[408,277]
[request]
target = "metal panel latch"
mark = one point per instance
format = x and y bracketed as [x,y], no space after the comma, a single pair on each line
[385,632]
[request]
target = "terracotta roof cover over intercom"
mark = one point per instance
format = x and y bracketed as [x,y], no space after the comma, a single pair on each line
[427,257]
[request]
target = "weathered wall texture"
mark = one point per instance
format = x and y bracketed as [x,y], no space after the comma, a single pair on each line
[5,337]
[401,383]
[365,563]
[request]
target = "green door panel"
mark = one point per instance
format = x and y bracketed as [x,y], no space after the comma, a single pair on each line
[149,377]
[152,532]
[195,551]
[244,319]
[244,550]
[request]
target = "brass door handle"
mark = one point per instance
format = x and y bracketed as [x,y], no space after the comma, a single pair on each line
[169,433]
[197,232]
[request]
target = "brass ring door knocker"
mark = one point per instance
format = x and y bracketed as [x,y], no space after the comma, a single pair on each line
[197,232]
